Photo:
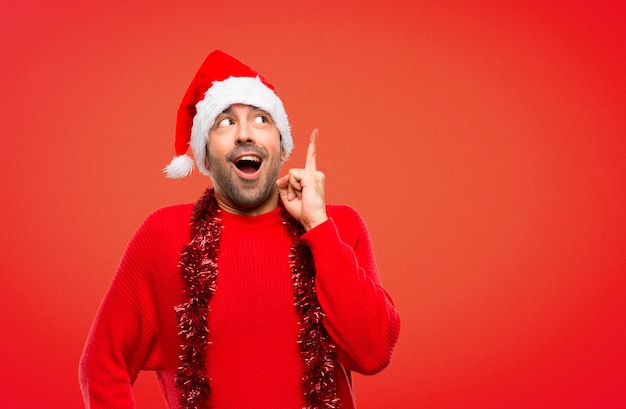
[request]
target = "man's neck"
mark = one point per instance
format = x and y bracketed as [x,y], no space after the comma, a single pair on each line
[227,205]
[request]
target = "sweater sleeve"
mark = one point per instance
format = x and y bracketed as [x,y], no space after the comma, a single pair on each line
[116,349]
[360,315]
[124,335]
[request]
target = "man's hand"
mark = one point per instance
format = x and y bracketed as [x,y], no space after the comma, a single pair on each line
[302,190]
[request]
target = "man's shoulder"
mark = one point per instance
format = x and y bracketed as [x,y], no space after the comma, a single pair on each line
[178,215]
[348,221]
[345,216]
[341,211]
[182,209]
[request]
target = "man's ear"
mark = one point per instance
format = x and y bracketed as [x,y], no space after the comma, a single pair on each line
[282,150]
[206,157]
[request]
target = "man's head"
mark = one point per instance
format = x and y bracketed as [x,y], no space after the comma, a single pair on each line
[221,82]
[243,158]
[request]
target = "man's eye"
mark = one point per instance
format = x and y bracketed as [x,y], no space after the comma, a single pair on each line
[225,122]
[261,119]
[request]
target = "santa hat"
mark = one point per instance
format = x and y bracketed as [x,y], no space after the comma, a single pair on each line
[220,82]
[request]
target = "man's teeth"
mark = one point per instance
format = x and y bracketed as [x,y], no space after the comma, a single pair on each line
[250,158]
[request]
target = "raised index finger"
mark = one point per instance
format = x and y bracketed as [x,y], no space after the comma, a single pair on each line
[311,152]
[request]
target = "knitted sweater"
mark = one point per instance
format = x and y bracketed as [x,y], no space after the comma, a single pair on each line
[253,357]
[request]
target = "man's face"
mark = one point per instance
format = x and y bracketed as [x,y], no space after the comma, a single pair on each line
[244,157]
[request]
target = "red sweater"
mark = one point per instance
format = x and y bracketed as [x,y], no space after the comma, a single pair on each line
[253,359]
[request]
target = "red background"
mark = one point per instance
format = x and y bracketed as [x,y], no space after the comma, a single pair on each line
[483,142]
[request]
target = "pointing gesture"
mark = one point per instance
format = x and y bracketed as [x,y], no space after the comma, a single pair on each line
[302,190]
[311,151]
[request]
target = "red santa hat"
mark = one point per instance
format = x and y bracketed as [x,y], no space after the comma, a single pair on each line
[220,82]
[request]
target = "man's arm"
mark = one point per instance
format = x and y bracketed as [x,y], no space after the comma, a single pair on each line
[360,315]
[123,338]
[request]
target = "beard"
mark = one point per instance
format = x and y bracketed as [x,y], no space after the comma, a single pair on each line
[244,193]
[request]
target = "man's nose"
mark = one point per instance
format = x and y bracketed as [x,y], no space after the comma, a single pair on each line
[244,133]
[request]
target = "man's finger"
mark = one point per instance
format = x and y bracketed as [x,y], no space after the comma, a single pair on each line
[311,152]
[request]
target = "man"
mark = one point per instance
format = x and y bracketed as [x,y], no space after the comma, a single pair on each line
[258,296]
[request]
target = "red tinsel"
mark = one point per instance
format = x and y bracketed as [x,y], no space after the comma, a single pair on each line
[199,267]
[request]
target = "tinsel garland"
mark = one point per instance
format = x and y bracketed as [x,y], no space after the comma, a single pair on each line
[198,263]
[199,267]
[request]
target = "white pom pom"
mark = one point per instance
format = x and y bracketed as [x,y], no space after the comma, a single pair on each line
[179,167]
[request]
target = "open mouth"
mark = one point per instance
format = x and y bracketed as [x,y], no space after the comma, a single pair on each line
[248,163]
